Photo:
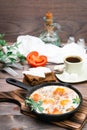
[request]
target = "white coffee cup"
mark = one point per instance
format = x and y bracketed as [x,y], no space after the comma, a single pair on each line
[73,64]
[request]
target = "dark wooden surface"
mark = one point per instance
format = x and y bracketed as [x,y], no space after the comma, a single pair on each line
[19,17]
[11,117]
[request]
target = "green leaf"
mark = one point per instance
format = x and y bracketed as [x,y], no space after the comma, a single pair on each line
[16,44]
[12,59]
[21,57]
[3,57]
[1,53]
[3,42]
[76,100]
[10,56]
[34,105]
[9,53]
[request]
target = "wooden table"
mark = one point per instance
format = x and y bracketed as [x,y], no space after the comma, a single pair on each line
[18,17]
[22,17]
[10,116]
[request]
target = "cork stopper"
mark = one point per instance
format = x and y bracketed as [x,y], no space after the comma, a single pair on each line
[49,18]
[49,15]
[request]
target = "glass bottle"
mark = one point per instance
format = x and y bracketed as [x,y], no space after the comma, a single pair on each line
[50,35]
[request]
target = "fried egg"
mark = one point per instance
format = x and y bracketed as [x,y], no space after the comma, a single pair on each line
[56,99]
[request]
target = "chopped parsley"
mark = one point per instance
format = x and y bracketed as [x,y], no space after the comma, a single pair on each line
[76,100]
[34,105]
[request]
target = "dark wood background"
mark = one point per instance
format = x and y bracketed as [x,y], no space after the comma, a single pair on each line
[18,17]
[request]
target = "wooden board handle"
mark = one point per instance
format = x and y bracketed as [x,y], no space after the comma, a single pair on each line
[17,97]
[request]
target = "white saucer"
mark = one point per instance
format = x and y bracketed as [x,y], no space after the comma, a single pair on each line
[74,78]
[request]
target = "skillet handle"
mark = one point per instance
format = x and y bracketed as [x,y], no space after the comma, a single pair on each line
[18,84]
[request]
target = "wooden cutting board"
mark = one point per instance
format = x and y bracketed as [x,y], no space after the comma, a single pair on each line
[74,123]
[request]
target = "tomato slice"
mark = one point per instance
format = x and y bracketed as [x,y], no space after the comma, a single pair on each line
[34,59]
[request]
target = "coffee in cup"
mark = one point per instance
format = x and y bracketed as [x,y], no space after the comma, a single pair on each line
[73,64]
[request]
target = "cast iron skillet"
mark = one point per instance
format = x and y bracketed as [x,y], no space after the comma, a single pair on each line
[42,116]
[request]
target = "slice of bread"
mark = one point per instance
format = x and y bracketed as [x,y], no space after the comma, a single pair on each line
[36,80]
